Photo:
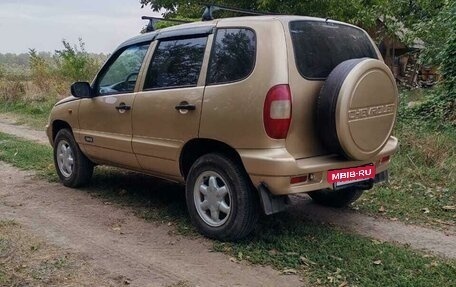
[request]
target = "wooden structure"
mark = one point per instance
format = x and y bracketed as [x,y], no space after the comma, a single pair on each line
[401,54]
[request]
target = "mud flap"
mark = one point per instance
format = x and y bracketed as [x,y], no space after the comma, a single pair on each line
[382,177]
[272,203]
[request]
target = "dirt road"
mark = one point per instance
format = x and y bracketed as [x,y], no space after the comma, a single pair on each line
[8,126]
[118,242]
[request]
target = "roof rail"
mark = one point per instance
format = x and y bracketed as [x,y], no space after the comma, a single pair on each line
[154,20]
[210,8]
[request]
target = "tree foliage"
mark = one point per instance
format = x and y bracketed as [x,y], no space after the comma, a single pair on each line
[439,34]
[360,12]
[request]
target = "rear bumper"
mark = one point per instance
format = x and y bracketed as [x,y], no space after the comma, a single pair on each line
[275,168]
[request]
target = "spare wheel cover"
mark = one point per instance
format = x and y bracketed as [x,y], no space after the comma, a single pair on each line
[365,109]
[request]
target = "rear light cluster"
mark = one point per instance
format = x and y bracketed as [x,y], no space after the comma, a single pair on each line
[298,179]
[277,112]
[383,160]
[303,178]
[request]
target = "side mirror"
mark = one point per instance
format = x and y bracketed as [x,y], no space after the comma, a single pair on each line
[81,90]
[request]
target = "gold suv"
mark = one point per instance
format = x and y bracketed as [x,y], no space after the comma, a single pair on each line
[244,111]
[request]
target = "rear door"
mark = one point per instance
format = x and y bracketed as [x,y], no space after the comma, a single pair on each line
[167,111]
[315,48]
[105,120]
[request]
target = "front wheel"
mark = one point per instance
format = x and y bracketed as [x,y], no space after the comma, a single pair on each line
[73,167]
[333,198]
[220,200]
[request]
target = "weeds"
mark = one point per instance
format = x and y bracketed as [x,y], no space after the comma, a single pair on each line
[45,79]
[422,174]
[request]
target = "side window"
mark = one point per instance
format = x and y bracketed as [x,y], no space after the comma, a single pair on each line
[233,55]
[176,63]
[121,75]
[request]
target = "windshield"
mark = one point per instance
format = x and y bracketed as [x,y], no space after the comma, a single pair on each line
[320,46]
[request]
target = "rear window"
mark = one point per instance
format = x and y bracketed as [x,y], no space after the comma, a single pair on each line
[176,63]
[320,46]
[233,55]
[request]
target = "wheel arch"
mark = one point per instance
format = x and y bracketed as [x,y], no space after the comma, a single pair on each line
[196,148]
[58,125]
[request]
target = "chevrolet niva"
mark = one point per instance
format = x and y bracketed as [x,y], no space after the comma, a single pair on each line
[244,111]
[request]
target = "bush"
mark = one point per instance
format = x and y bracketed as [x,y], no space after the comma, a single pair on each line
[11,91]
[40,70]
[440,36]
[2,71]
[439,107]
[54,75]
[74,63]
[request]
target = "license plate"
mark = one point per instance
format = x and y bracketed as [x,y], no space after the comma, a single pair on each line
[350,175]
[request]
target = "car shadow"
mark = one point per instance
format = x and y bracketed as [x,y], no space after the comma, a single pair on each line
[162,201]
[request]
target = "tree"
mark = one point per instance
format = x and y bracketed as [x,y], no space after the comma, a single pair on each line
[360,12]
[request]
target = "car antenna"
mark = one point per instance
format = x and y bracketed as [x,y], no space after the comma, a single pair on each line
[210,8]
[154,20]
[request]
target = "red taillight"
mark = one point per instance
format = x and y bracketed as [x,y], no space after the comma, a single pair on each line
[385,159]
[298,179]
[277,111]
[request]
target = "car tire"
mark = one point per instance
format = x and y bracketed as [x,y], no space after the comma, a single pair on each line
[338,199]
[73,167]
[220,198]
[356,108]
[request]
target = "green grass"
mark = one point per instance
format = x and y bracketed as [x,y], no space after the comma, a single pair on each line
[27,155]
[326,255]
[332,257]
[32,113]
[422,176]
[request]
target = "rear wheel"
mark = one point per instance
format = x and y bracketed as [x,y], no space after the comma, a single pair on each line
[73,167]
[220,200]
[333,198]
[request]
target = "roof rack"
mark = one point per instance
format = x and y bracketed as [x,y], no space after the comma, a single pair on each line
[154,20]
[210,8]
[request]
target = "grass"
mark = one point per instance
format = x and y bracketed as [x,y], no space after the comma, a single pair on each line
[326,255]
[422,185]
[32,113]
[333,257]
[27,155]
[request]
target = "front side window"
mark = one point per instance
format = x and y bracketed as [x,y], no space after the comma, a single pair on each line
[120,77]
[176,63]
[233,55]
[320,46]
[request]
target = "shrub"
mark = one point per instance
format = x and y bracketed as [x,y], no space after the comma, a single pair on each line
[41,71]
[11,91]
[2,71]
[440,36]
[74,63]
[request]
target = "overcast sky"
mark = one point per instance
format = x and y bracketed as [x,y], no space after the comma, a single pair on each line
[42,24]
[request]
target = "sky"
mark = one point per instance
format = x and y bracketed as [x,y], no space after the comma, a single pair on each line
[42,24]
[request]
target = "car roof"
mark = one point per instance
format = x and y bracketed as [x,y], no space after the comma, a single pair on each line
[202,27]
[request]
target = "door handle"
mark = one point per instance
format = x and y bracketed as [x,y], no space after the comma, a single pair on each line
[122,107]
[185,106]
